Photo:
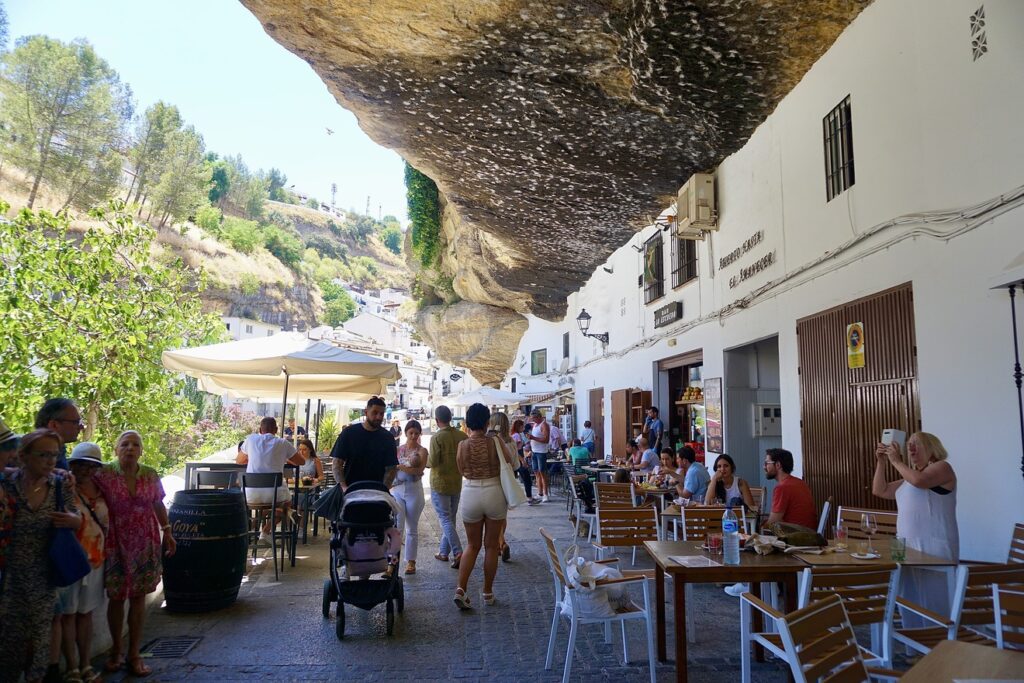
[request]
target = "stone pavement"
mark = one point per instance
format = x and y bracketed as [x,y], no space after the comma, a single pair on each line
[275,630]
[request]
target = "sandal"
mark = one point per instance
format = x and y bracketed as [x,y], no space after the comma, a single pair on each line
[90,675]
[456,560]
[488,598]
[410,567]
[506,553]
[72,676]
[461,599]
[115,662]
[442,558]
[137,667]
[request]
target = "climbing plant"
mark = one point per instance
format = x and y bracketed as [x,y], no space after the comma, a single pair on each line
[424,216]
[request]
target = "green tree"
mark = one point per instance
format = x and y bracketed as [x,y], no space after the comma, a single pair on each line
[89,318]
[220,182]
[313,203]
[185,180]
[208,218]
[276,182]
[337,311]
[152,135]
[65,109]
[242,235]
[392,238]
[284,245]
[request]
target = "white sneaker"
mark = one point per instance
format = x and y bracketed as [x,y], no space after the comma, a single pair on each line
[737,589]
[543,499]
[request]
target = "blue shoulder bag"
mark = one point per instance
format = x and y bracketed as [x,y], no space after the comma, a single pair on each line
[68,562]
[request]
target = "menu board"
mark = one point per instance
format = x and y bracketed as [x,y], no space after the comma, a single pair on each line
[713,441]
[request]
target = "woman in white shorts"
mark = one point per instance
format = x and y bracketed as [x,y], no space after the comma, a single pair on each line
[482,505]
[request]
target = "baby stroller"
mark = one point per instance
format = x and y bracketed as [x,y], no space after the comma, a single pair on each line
[365,554]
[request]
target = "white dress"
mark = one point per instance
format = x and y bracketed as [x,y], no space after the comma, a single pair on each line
[927,520]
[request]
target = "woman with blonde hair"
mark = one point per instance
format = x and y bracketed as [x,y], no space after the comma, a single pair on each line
[498,426]
[925,498]
[135,498]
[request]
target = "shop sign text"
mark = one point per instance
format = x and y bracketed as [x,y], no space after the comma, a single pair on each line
[735,254]
[753,269]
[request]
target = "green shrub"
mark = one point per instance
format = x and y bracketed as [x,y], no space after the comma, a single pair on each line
[424,216]
[284,245]
[392,238]
[208,218]
[313,203]
[337,311]
[327,247]
[249,284]
[241,234]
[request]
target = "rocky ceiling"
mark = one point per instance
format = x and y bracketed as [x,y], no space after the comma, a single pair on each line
[554,129]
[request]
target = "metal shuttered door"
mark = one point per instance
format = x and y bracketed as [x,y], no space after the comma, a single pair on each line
[843,410]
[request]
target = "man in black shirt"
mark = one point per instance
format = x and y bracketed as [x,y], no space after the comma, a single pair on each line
[364,451]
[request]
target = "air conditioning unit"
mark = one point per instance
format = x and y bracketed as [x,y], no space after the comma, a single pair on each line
[696,210]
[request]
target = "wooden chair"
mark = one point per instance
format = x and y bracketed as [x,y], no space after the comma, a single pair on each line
[579,509]
[1016,554]
[697,522]
[849,518]
[753,521]
[576,618]
[215,479]
[868,593]
[820,645]
[269,511]
[972,612]
[622,528]
[614,495]
[1009,610]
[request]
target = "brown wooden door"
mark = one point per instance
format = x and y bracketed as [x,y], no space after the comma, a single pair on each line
[597,420]
[842,410]
[620,421]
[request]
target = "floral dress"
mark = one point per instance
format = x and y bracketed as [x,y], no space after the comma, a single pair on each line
[133,538]
[27,602]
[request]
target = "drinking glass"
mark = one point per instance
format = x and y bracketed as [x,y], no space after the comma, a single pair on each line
[715,544]
[839,533]
[898,549]
[870,527]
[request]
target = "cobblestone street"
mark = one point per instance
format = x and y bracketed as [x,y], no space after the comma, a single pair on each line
[275,630]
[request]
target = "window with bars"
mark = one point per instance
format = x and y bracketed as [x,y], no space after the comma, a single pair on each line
[837,129]
[654,270]
[684,261]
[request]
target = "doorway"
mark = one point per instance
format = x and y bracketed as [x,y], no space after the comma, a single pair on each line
[596,397]
[753,416]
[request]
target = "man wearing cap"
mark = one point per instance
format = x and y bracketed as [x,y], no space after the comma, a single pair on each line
[62,416]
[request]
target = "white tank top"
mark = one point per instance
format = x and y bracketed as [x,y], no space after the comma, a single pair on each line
[538,446]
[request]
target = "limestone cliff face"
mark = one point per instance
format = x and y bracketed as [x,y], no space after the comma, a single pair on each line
[554,129]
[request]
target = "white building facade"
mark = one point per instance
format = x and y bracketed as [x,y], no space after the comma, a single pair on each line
[747,345]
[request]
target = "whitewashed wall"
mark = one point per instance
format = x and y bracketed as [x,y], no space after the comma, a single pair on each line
[933,131]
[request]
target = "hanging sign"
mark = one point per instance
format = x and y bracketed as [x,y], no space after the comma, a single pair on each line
[668,313]
[855,345]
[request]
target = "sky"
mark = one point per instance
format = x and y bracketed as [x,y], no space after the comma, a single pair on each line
[241,90]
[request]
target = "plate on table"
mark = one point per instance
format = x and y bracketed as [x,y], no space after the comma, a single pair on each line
[865,556]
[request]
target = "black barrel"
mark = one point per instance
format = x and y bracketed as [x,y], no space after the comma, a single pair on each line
[210,527]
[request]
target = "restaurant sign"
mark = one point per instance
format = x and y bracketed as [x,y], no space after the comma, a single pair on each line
[668,314]
[753,269]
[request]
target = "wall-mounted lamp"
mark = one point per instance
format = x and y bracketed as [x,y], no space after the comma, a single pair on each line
[583,320]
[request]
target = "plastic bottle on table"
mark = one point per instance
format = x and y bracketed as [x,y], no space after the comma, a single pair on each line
[731,537]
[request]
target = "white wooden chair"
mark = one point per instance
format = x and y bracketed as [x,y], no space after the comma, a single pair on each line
[1009,611]
[826,510]
[633,612]
[625,528]
[869,594]
[579,510]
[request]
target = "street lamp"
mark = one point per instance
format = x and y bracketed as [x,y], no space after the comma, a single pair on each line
[583,320]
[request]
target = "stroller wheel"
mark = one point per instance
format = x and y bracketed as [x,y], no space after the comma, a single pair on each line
[400,596]
[329,597]
[339,625]
[391,617]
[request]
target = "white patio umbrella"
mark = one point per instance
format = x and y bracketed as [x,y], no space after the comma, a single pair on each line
[488,396]
[267,367]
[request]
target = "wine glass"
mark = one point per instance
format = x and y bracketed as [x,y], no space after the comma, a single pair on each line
[870,527]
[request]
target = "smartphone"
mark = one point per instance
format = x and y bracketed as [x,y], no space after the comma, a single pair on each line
[890,436]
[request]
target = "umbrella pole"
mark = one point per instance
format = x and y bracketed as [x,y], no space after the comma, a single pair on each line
[316,444]
[309,402]
[284,400]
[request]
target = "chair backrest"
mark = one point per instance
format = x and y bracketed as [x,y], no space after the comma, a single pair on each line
[849,518]
[1009,610]
[972,597]
[614,495]
[627,528]
[826,510]
[820,643]
[328,464]
[218,479]
[697,523]
[757,493]
[868,592]
[1017,544]
[253,480]
[554,564]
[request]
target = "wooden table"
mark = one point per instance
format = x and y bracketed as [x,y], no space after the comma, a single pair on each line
[752,568]
[915,558]
[953,660]
[213,465]
[599,472]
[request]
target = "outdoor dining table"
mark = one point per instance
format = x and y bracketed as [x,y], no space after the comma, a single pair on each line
[753,568]
[600,471]
[953,660]
[214,466]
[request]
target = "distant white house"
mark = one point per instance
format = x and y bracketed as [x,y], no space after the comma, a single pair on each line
[247,328]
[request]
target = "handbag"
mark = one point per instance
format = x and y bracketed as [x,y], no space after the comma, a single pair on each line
[514,493]
[595,602]
[68,563]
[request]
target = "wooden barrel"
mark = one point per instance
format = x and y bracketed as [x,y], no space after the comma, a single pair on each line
[210,527]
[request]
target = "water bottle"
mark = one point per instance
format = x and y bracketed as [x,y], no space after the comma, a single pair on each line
[731,534]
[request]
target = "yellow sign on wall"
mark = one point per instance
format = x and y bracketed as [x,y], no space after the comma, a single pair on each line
[855,345]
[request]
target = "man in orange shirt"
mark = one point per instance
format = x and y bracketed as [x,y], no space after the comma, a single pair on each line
[791,500]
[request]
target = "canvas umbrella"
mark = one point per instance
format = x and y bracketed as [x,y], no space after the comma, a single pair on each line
[267,367]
